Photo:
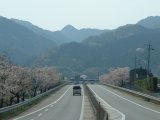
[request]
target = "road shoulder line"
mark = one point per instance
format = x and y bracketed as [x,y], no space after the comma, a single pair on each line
[130,100]
[45,106]
[114,114]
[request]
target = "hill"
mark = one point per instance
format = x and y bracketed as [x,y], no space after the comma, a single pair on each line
[79,35]
[97,54]
[21,43]
[56,36]
[119,33]
[66,35]
[152,22]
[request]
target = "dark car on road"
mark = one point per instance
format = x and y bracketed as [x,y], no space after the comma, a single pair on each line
[76,90]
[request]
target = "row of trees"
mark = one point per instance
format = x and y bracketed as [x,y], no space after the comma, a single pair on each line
[116,76]
[19,83]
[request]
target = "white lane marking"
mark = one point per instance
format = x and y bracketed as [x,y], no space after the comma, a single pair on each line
[130,100]
[32,119]
[45,106]
[123,116]
[51,105]
[39,114]
[46,110]
[55,102]
[82,108]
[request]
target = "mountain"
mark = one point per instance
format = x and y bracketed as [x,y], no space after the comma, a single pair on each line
[91,51]
[117,34]
[21,43]
[97,54]
[66,35]
[56,36]
[152,22]
[68,29]
[79,35]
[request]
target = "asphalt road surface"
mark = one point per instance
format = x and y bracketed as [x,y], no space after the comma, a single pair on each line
[132,107]
[64,107]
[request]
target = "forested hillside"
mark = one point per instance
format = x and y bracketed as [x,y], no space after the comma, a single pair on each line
[20,43]
[112,49]
[29,45]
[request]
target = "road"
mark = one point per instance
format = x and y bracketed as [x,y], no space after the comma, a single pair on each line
[64,107]
[132,107]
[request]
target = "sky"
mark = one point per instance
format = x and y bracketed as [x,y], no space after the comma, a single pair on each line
[102,14]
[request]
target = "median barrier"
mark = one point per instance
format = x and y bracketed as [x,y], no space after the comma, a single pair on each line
[99,111]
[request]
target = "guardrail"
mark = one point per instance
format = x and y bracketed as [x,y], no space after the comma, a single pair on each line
[147,97]
[99,112]
[15,106]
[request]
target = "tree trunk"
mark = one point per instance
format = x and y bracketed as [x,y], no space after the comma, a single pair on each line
[41,91]
[35,92]
[45,89]
[11,100]
[23,96]
[18,98]
[1,102]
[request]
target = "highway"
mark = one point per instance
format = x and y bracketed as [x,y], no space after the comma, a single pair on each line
[61,106]
[132,107]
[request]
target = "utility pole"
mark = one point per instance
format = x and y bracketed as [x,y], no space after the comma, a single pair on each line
[132,82]
[135,68]
[149,48]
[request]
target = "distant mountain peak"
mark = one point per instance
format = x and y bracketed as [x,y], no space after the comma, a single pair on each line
[69,28]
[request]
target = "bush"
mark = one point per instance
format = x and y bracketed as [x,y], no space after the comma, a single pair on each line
[154,82]
[142,84]
[146,84]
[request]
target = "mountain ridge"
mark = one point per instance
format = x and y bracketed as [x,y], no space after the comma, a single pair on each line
[68,34]
[116,48]
[21,43]
[151,22]
[109,49]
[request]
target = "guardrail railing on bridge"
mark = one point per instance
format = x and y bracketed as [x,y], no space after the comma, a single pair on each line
[21,104]
[147,97]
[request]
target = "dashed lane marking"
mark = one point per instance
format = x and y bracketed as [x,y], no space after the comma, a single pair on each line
[45,106]
[40,114]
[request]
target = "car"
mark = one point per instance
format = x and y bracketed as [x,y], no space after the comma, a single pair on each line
[76,90]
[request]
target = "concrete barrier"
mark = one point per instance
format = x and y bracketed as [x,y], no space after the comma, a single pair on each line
[111,112]
[99,111]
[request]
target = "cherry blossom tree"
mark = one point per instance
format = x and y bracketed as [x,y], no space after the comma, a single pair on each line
[116,76]
[3,76]
[17,82]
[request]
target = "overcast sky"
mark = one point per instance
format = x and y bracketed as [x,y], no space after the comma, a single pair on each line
[102,14]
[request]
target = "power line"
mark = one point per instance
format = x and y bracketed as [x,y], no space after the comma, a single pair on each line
[135,68]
